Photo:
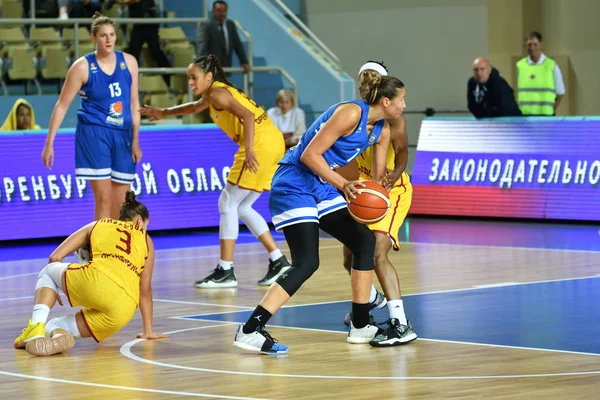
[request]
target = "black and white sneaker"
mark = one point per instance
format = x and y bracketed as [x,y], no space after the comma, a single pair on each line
[220,278]
[379,302]
[394,335]
[276,269]
[362,335]
[259,341]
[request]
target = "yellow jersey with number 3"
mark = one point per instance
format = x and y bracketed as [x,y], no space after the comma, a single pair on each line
[232,125]
[365,165]
[119,251]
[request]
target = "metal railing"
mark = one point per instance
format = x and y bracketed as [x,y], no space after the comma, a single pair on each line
[76,22]
[245,77]
[306,30]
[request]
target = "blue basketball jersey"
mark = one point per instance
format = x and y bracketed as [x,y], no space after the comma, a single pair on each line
[346,148]
[106,99]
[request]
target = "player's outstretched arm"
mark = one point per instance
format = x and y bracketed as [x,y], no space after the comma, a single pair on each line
[156,113]
[146,296]
[76,241]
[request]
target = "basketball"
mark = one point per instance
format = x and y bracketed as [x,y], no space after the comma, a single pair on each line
[371,203]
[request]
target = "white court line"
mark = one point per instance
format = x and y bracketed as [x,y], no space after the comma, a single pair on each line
[340,245]
[420,338]
[190,329]
[203,304]
[126,351]
[240,253]
[3,278]
[262,251]
[477,287]
[502,247]
[130,388]
[17,298]
[45,259]
[507,284]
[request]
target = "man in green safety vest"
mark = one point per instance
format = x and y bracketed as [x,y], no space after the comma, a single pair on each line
[539,80]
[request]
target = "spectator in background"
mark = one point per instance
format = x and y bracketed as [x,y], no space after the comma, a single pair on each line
[144,33]
[219,36]
[488,94]
[539,80]
[287,117]
[79,8]
[21,117]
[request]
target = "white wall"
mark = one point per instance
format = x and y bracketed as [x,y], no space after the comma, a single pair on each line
[428,44]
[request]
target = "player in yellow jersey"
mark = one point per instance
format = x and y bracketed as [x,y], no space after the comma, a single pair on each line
[110,287]
[400,190]
[261,148]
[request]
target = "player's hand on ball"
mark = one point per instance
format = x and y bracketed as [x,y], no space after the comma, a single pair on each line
[154,113]
[151,336]
[350,189]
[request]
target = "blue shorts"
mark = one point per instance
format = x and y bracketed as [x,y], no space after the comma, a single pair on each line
[103,153]
[299,196]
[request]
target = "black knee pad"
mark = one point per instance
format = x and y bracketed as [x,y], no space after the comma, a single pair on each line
[363,250]
[301,270]
[356,236]
[303,240]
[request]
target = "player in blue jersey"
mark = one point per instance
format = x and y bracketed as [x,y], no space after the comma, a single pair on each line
[106,139]
[304,197]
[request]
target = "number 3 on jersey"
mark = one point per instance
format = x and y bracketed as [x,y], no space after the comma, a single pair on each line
[115,89]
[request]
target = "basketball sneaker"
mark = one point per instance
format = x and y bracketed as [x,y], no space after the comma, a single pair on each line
[220,278]
[379,302]
[49,346]
[394,335]
[33,331]
[362,335]
[259,341]
[276,269]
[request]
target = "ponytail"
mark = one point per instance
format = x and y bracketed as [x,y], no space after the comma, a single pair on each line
[133,208]
[210,63]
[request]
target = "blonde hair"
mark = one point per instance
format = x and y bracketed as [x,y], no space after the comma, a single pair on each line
[98,20]
[373,86]
[285,94]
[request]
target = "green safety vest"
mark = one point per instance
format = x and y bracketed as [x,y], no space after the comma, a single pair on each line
[537,89]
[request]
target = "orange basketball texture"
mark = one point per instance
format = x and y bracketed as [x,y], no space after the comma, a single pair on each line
[371,203]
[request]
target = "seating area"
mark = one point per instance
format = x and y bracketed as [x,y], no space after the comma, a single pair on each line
[35,60]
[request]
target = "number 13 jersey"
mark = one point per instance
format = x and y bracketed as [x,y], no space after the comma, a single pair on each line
[119,251]
[106,99]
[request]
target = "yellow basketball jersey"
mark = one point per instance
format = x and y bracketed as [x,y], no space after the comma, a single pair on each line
[232,126]
[365,164]
[119,250]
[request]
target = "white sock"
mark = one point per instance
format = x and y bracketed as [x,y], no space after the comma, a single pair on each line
[275,255]
[396,308]
[40,313]
[226,265]
[373,294]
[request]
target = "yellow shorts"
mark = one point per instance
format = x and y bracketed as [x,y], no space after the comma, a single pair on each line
[400,200]
[106,306]
[269,151]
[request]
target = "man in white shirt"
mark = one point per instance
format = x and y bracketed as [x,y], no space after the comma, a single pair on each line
[539,80]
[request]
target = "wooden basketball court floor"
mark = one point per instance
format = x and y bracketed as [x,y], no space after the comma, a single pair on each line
[502,310]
